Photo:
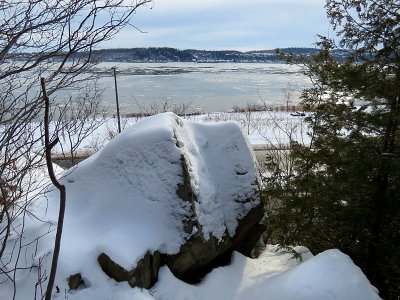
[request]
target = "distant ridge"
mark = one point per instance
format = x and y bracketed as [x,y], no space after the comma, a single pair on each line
[164,54]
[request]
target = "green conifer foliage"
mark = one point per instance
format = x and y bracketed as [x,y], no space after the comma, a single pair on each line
[343,190]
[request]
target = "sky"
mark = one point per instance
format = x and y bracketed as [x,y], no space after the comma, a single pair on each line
[225,25]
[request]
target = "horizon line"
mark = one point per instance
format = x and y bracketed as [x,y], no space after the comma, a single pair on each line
[197,49]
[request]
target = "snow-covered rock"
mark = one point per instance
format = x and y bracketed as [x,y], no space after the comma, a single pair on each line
[166,186]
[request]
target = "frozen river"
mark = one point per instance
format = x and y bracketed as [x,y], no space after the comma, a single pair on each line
[206,86]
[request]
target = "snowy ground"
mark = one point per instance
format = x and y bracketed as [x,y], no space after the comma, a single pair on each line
[94,224]
[262,128]
[275,276]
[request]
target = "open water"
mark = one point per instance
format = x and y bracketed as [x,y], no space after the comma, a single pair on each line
[206,87]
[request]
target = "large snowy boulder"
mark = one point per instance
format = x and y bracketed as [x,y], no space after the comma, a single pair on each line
[164,191]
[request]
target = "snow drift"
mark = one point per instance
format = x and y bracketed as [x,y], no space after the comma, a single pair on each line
[275,276]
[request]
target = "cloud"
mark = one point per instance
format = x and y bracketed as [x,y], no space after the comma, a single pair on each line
[223,24]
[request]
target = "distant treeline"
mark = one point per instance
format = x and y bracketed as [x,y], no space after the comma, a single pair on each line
[192,55]
[189,55]
[164,54]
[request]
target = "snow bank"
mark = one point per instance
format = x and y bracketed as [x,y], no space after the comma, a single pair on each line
[275,276]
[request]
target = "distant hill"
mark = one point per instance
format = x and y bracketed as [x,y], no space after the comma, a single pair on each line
[165,54]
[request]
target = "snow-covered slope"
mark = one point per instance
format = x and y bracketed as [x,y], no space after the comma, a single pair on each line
[123,201]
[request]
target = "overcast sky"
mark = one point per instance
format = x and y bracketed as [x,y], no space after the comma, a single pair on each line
[225,24]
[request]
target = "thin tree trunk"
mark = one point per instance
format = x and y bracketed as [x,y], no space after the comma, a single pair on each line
[48,146]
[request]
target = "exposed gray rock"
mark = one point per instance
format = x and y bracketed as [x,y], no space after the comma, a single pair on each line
[198,254]
[144,275]
[76,281]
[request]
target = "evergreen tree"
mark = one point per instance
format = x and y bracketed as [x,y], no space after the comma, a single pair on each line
[343,190]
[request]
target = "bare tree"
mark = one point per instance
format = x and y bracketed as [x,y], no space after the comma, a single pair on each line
[166,105]
[283,134]
[112,129]
[78,119]
[54,40]
[48,145]
[288,91]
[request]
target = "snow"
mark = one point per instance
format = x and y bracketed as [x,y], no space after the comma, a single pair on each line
[133,180]
[274,276]
[260,127]
[216,155]
[120,202]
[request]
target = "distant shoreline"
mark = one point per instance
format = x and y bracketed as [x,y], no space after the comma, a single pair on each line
[165,54]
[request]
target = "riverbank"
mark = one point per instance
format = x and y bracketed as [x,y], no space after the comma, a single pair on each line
[265,131]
